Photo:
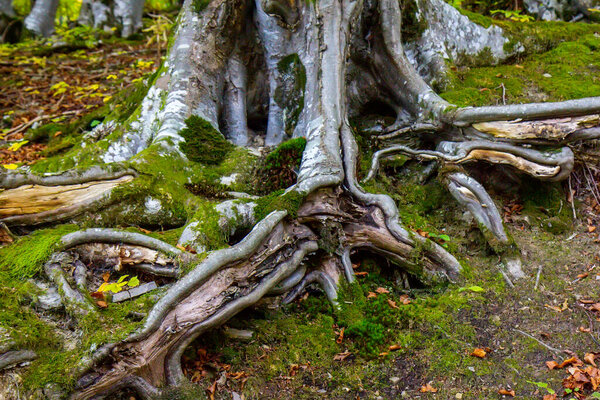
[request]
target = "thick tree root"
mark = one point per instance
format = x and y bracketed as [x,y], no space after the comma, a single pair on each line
[16,357]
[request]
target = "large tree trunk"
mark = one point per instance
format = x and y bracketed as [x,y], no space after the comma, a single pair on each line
[305,68]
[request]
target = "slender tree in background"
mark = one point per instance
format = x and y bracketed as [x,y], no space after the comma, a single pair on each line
[125,15]
[261,73]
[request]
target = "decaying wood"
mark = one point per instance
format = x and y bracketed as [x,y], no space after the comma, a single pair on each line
[31,204]
[554,130]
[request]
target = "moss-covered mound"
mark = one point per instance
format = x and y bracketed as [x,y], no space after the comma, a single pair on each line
[203,143]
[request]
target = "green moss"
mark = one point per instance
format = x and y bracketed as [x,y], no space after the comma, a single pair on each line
[567,71]
[200,5]
[70,149]
[279,168]
[289,95]
[290,202]
[413,23]
[203,143]
[25,257]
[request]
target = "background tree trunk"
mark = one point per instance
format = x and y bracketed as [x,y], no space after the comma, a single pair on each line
[40,20]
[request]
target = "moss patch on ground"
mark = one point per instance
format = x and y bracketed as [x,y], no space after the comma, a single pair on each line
[564,68]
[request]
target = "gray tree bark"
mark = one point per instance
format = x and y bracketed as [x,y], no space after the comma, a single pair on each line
[40,20]
[125,15]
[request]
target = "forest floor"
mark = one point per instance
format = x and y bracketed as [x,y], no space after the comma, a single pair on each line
[474,339]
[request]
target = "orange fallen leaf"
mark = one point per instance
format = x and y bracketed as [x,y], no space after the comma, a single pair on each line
[371,295]
[505,392]
[340,337]
[404,299]
[361,273]
[584,329]
[427,388]
[589,358]
[101,304]
[383,354]
[550,396]
[551,364]
[519,66]
[555,308]
[423,233]
[341,356]
[591,228]
[480,353]
[392,303]
[394,347]
[570,361]
[381,290]
[97,295]
[106,276]
[582,276]
[180,247]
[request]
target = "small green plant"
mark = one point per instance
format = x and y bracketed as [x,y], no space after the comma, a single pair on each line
[513,15]
[116,287]
[543,385]
[475,289]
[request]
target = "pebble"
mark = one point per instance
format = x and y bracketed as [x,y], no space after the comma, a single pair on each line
[547,75]
[394,379]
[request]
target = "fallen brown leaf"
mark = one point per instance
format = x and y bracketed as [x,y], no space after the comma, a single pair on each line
[570,361]
[551,364]
[505,392]
[392,303]
[427,388]
[340,337]
[341,356]
[480,353]
[583,276]
[404,299]
[395,347]
[550,396]
[106,276]
[589,358]
[584,329]
[101,304]
[381,290]
[371,295]
[361,273]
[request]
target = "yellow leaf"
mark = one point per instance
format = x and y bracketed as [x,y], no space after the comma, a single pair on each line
[103,287]
[10,166]
[17,146]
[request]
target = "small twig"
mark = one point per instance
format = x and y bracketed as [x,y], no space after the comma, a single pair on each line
[26,125]
[591,325]
[552,349]
[572,196]
[537,278]
[503,93]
